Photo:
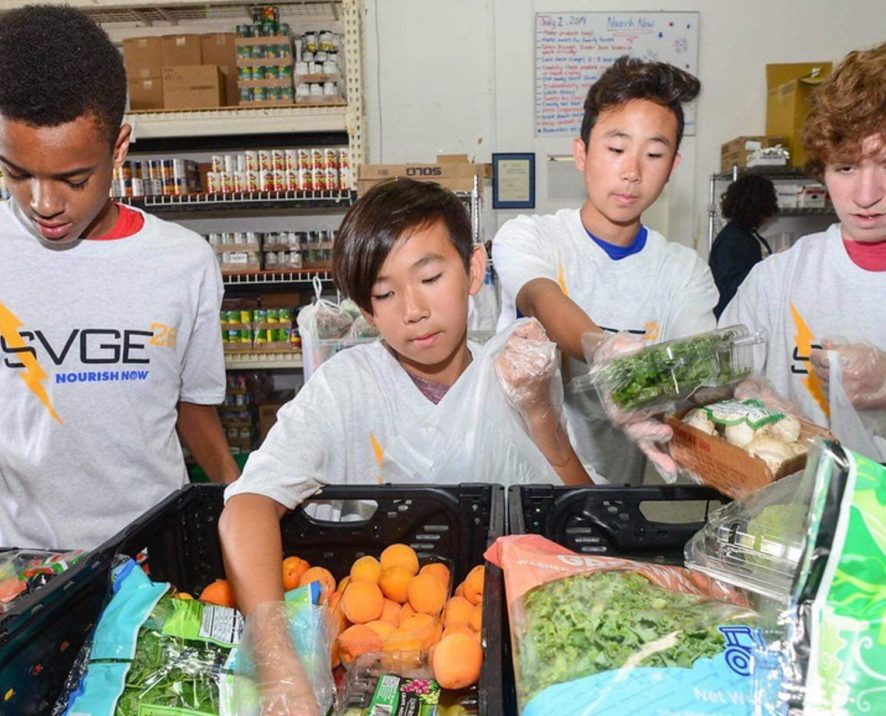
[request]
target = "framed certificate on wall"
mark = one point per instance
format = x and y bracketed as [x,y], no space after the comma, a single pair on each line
[513,181]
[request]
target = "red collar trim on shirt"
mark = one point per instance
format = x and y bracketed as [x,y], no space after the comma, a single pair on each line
[869,256]
[128,222]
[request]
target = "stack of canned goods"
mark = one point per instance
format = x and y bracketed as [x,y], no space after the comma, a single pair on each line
[307,170]
[317,53]
[265,23]
[256,328]
[156,177]
[243,250]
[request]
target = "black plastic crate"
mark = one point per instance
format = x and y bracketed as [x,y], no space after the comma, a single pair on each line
[601,519]
[180,535]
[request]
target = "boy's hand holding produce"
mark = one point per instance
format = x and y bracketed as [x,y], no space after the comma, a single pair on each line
[647,432]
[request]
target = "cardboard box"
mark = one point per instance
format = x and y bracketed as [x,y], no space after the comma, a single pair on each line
[180,50]
[733,152]
[788,89]
[192,87]
[219,48]
[451,171]
[145,93]
[727,467]
[142,58]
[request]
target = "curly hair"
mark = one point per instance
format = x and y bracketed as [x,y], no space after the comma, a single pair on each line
[58,65]
[846,108]
[632,78]
[381,217]
[749,201]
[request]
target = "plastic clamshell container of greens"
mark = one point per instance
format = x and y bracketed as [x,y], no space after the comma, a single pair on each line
[661,375]
[756,543]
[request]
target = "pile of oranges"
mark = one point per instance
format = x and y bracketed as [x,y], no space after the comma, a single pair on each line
[392,604]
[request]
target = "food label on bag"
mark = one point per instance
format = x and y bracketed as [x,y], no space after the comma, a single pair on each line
[733,412]
[221,625]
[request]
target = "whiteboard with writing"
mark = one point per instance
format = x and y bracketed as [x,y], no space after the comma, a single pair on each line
[572,49]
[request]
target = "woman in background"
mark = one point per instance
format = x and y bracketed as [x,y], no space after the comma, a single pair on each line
[748,202]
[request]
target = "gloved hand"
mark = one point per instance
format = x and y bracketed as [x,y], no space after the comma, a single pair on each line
[283,686]
[526,368]
[864,372]
[757,387]
[647,432]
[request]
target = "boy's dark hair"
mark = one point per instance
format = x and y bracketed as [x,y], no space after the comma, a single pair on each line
[749,201]
[385,214]
[632,78]
[845,109]
[58,66]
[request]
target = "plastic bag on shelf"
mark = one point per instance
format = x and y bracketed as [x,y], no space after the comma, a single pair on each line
[474,436]
[661,376]
[152,649]
[323,319]
[597,633]
[824,653]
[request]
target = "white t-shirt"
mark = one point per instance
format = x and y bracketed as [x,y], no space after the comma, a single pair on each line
[662,292]
[98,343]
[361,411]
[800,297]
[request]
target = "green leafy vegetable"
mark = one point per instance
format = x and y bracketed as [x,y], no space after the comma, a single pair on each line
[171,672]
[670,371]
[585,624]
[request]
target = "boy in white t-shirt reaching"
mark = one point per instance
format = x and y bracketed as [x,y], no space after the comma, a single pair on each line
[598,268]
[828,292]
[404,254]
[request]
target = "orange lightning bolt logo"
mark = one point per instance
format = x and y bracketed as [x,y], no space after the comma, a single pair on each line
[33,375]
[804,339]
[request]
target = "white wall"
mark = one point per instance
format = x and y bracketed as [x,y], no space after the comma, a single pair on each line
[458,77]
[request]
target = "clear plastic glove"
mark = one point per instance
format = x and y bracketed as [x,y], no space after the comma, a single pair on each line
[757,387]
[864,372]
[525,369]
[283,685]
[647,432]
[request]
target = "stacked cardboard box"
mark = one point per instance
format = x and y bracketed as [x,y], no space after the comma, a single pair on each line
[734,154]
[452,171]
[788,90]
[181,71]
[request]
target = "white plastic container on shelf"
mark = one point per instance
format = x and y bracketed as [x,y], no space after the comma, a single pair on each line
[316,351]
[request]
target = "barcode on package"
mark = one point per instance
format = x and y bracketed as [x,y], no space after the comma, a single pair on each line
[221,625]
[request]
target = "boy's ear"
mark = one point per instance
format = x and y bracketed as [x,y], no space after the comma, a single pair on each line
[675,164]
[579,153]
[477,268]
[121,144]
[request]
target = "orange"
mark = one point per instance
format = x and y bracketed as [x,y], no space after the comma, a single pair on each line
[366,569]
[458,612]
[476,622]
[456,661]
[357,640]
[219,592]
[426,593]
[474,584]
[400,555]
[391,612]
[362,602]
[322,575]
[383,629]
[342,585]
[394,583]
[439,570]
[457,629]
[406,611]
[183,595]
[399,640]
[293,569]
